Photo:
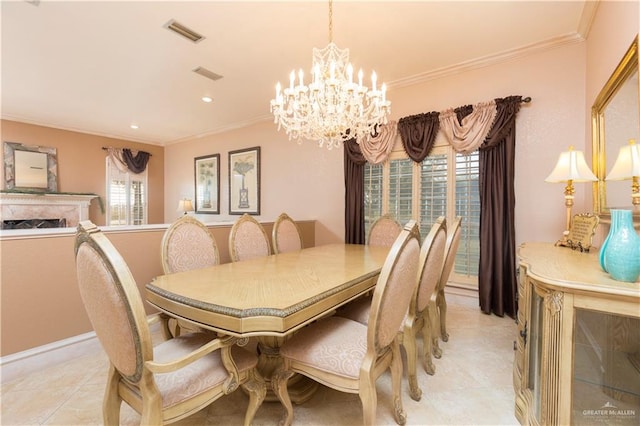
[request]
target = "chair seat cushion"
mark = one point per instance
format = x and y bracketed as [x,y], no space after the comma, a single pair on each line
[335,345]
[198,376]
[358,310]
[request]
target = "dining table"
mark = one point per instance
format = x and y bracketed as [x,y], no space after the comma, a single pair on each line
[270,297]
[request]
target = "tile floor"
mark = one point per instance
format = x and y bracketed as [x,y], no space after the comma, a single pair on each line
[472,385]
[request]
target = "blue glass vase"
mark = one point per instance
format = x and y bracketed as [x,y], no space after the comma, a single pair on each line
[613,227]
[622,253]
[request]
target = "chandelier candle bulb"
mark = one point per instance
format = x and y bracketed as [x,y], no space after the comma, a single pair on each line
[331,109]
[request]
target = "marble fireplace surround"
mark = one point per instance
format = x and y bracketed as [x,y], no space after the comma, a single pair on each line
[27,206]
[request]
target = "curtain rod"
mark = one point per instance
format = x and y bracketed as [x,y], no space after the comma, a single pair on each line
[526,100]
[107,148]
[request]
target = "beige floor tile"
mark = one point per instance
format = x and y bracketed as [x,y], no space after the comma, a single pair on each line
[472,385]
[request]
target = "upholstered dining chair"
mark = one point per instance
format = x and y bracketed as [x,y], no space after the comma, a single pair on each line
[248,239]
[348,356]
[187,244]
[420,315]
[170,381]
[454,231]
[286,235]
[384,231]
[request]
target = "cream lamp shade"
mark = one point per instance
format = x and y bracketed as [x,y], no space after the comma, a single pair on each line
[627,166]
[571,166]
[185,206]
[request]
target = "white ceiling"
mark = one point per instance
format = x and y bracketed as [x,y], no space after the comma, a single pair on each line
[97,67]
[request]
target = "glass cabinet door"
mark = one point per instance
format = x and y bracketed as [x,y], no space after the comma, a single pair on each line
[606,369]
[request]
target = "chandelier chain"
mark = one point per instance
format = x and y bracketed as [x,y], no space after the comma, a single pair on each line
[330,21]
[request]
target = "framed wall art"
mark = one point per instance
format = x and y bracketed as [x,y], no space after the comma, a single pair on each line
[207,180]
[244,181]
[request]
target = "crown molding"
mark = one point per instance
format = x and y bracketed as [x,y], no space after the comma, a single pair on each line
[507,55]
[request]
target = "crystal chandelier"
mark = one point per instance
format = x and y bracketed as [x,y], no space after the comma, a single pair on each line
[332,108]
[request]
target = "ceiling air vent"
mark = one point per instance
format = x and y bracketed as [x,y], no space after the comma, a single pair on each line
[185,32]
[206,73]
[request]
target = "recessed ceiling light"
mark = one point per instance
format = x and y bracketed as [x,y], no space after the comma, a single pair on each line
[134,126]
[207,99]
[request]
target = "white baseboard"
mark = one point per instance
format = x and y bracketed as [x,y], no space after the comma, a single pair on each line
[462,296]
[22,363]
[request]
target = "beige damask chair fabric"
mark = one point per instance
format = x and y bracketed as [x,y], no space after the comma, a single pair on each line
[286,235]
[384,231]
[420,315]
[187,244]
[348,356]
[248,239]
[454,231]
[170,381]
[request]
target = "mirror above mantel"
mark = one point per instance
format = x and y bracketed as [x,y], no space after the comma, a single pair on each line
[30,168]
[615,121]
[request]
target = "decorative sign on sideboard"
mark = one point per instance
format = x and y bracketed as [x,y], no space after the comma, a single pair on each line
[583,228]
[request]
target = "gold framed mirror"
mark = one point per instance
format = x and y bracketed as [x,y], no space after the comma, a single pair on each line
[615,120]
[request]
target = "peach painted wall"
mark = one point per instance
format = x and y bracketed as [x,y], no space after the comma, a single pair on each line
[302,180]
[81,163]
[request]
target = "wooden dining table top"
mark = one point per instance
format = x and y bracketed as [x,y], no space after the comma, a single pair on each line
[271,295]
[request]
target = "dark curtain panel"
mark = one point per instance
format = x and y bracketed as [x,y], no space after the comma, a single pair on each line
[497,273]
[418,133]
[137,163]
[354,163]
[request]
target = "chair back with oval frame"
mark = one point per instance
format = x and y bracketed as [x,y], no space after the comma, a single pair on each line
[248,239]
[286,235]
[187,244]
[384,231]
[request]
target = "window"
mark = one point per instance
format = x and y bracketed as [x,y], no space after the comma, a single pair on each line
[126,196]
[407,190]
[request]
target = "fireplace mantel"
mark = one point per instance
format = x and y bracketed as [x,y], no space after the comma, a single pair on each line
[24,206]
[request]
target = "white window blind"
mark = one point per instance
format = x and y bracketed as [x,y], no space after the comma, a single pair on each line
[468,207]
[372,195]
[433,191]
[426,191]
[400,204]
[127,196]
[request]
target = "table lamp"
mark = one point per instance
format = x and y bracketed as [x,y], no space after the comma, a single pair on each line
[627,166]
[185,205]
[571,167]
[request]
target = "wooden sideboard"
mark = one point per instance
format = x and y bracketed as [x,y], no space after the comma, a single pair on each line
[578,349]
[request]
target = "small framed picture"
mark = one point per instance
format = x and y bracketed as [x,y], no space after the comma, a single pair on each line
[207,181]
[244,181]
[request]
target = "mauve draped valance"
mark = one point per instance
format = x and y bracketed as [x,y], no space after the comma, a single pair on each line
[376,149]
[137,163]
[127,160]
[467,127]
[418,134]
